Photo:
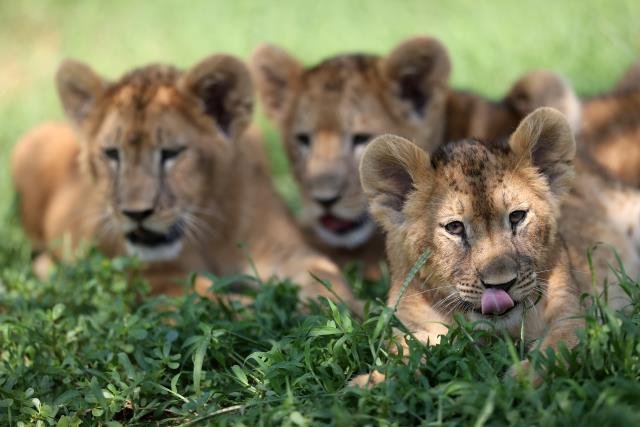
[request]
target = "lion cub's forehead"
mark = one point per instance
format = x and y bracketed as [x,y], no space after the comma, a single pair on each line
[341,91]
[131,102]
[339,78]
[473,172]
[333,74]
[144,88]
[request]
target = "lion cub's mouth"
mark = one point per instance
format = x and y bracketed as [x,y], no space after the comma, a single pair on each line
[497,314]
[342,226]
[142,236]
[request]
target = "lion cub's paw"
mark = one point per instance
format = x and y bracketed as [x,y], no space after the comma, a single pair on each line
[367,380]
[42,266]
[524,371]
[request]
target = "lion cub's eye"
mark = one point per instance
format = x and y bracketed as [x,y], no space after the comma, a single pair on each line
[112,154]
[303,139]
[167,154]
[455,227]
[516,217]
[360,139]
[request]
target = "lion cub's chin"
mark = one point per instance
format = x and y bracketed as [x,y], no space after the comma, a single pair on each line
[350,239]
[156,253]
[507,321]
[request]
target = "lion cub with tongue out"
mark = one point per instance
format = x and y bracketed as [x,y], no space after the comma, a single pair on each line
[506,233]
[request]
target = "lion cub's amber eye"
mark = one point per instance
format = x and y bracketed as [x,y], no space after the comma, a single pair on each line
[516,217]
[170,153]
[303,139]
[112,154]
[360,138]
[455,227]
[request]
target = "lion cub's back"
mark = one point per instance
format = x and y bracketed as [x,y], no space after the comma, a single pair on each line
[611,133]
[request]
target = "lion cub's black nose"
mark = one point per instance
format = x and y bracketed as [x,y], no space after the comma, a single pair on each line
[327,203]
[138,216]
[504,286]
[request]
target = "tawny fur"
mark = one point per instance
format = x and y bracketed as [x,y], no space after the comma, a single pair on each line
[473,116]
[630,79]
[607,126]
[405,93]
[413,196]
[218,183]
[610,132]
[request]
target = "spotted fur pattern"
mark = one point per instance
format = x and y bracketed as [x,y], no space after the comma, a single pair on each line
[539,257]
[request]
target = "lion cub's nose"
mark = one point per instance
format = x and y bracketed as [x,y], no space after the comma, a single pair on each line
[327,203]
[137,215]
[503,286]
[500,272]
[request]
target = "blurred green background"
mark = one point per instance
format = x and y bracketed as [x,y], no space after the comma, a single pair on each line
[491,43]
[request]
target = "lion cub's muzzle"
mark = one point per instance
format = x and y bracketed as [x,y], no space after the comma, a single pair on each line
[149,241]
[495,298]
[498,277]
[145,237]
[340,218]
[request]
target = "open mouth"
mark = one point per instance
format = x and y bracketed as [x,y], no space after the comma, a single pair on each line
[342,226]
[144,237]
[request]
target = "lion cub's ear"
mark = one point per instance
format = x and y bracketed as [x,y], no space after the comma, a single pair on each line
[414,69]
[276,74]
[79,87]
[223,85]
[542,88]
[545,140]
[630,80]
[392,167]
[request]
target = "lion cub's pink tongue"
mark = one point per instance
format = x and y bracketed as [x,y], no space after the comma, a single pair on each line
[495,301]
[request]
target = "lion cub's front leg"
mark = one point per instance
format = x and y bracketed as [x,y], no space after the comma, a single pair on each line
[426,324]
[376,377]
[561,315]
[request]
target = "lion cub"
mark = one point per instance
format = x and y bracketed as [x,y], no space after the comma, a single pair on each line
[158,165]
[607,126]
[506,234]
[328,113]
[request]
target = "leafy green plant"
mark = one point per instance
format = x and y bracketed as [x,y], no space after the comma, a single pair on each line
[91,347]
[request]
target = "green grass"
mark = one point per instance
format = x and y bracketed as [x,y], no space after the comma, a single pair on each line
[89,347]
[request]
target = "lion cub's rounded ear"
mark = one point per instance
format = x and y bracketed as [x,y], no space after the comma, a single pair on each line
[392,167]
[543,88]
[78,88]
[223,85]
[545,140]
[276,74]
[414,68]
[630,80]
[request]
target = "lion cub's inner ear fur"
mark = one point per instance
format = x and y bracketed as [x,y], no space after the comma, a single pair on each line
[276,74]
[414,68]
[545,139]
[223,85]
[78,88]
[392,167]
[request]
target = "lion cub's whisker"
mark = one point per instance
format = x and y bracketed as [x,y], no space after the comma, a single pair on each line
[424,291]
